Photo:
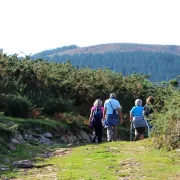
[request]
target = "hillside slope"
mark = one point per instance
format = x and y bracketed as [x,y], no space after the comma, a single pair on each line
[113,47]
[161,61]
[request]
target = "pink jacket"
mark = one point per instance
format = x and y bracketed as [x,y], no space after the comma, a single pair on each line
[93,108]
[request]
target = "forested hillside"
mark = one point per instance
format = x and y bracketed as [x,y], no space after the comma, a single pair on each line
[161,62]
[56,88]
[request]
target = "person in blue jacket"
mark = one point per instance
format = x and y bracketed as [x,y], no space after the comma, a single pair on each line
[137,118]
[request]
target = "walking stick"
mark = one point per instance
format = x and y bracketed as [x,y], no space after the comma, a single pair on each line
[131,131]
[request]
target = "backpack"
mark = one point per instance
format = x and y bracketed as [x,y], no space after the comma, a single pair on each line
[114,110]
[98,115]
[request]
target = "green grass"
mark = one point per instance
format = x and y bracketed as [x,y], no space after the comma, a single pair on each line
[108,161]
[9,125]
[134,160]
[7,122]
[22,152]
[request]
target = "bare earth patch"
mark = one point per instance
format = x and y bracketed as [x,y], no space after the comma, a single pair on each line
[44,172]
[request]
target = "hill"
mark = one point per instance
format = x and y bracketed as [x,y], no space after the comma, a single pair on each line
[161,61]
[114,47]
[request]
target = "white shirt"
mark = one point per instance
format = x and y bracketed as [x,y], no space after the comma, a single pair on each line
[115,104]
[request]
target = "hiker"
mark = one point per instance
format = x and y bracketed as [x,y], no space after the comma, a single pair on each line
[147,107]
[147,111]
[95,120]
[137,118]
[111,115]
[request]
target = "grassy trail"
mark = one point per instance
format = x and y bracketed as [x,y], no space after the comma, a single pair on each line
[107,161]
[118,160]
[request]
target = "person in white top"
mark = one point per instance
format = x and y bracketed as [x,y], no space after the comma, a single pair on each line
[112,113]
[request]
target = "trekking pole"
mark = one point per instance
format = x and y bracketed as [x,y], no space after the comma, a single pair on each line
[131,133]
[148,129]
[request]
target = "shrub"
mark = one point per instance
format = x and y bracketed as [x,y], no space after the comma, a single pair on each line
[166,124]
[3,98]
[3,145]
[56,105]
[17,106]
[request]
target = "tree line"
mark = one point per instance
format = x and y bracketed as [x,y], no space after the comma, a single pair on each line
[161,66]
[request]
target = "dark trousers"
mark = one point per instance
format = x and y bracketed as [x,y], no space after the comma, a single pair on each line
[98,132]
[138,132]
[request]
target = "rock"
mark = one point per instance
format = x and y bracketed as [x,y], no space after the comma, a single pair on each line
[48,135]
[70,145]
[75,139]
[3,168]
[70,138]
[38,130]
[28,137]
[45,140]
[47,155]
[77,143]
[36,135]
[62,151]
[11,147]
[84,137]
[19,138]
[6,160]
[14,141]
[64,139]
[23,164]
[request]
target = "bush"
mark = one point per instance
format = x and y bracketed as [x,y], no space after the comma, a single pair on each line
[3,98]
[3,145]
[166,124]
[56,105]
[17,106]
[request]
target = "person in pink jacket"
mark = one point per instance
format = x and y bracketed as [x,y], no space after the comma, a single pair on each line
[95,120]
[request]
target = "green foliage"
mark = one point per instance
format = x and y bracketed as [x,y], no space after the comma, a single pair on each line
[12,124]
[8,126]
[167,124]
[161,63]
[55,105]
[40,80]
[17,106]
[174,82]
[3,145]
[44,54]
[3,98]
[62,87]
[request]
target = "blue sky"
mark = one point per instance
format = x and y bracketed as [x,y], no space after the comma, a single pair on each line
[30,26]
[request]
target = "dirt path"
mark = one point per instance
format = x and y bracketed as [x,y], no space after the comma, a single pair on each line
[123,161]
[43,172]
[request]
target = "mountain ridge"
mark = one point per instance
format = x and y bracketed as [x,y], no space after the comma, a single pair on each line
[161,61]
[120,47]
